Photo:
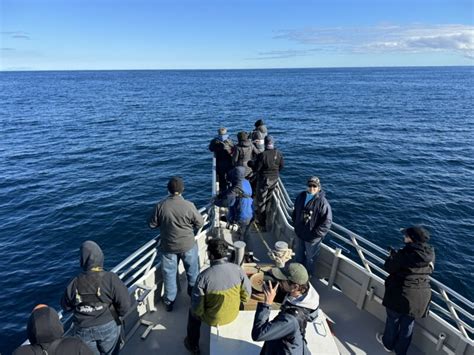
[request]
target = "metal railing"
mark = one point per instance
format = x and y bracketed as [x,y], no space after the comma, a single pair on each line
[448,304]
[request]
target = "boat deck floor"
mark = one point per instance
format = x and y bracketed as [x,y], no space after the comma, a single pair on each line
[354,329]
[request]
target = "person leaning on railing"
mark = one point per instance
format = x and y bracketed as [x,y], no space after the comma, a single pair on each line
[407,289]
[97,298]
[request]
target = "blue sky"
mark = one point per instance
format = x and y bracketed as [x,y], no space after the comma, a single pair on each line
[211,34]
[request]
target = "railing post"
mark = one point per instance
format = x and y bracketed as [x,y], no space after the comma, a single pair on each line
[453,312]
[334,266]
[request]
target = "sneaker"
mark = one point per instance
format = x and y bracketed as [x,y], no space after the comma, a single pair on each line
[379,336]
[168,305]
[193,350]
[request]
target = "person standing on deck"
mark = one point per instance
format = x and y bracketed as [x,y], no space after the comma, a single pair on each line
[407,289]
[97,298]
[178,220]
[312,219]
[243,152]
[222,147]
[267,167]
[217,294]
[258,136]
[238,198]
[285,334]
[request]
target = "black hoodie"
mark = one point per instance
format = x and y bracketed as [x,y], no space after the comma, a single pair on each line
[45,331]
[112,290]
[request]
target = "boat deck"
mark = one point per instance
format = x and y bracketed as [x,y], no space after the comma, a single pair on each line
[354,329]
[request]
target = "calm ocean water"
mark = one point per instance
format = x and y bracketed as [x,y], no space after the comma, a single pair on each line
[85,155]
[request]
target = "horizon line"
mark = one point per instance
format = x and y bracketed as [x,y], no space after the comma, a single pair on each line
[229,69]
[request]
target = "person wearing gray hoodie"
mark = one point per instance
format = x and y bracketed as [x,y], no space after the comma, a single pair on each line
[97,298]
[285,334]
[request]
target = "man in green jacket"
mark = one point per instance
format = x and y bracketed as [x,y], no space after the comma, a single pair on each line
[217,294]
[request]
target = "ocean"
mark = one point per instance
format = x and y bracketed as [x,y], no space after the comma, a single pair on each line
[87,154]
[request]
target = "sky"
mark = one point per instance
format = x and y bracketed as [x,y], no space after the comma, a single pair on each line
[233,34]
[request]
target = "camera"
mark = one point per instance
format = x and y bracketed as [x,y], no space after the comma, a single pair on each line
[267,277]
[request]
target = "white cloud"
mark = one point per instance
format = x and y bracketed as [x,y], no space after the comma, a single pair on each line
[388,38]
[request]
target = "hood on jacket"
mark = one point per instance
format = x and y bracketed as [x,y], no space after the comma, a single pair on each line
[91,255]
[44,326]
[310,301]
[245,143]
[419,254]
[237,175]
[262,129]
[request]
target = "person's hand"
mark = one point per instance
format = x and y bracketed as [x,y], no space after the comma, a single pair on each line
[269,292]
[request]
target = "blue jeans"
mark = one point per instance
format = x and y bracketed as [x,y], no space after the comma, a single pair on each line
[307,252]
[101,339]
[398,332]
[169,267]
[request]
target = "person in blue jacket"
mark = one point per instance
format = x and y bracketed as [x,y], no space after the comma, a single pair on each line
[238,198]
[285,334]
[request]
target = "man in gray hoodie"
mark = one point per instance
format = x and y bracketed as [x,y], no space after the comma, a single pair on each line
[178,221]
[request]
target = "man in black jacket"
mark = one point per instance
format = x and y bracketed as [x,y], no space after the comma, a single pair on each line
[45,333]
[223,148]
[267,166]
[312,219]
[407,289]
[97,298]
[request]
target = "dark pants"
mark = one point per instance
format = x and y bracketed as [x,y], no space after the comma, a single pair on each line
[194,330]
[398,332]
[265,187]
[221,173]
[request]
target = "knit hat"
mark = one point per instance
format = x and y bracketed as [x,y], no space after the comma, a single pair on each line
[222,131]
[269,142]
[259,123]
[175,185]
[242,136]
[294,272]
[417,234]
[314,181]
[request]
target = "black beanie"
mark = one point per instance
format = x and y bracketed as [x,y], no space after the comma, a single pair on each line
[417,234]
[259,123]
[175,185]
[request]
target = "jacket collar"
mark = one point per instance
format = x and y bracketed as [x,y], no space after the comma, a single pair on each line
[219,261]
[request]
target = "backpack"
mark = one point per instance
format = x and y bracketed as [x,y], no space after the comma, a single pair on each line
[301,315]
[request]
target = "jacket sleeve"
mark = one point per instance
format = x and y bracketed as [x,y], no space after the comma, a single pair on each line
[245,288]
[198,221]
[227,199]
[212,145]
[279,327]
[67,297]
[120,296]
[235,156]
[154,221]
[282,163]
[323,228]
[394,262]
